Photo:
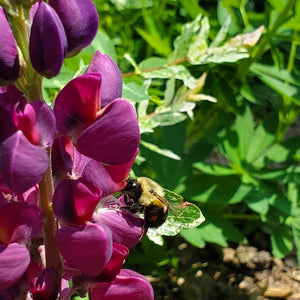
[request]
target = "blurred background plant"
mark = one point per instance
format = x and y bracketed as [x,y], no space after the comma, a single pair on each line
[216,85]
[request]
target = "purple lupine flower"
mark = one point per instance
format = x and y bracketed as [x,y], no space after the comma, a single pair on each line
[113,131]
[127,284]
[111,85]
[9,59]
[48,41]
[26,129]
[19,222]
[80,21]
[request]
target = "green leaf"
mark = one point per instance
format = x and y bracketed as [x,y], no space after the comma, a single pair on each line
[275,72]
[183,215]
[135,91]
[178,72]
[165,152]
[221,190]
[185,39]
[282,241]
[168,118]
[287,90]
[279,5]
[261,139]
[104,44]
[213,169]
[132,4]
[194,237]
[244,129]
[152,63]
[160,44]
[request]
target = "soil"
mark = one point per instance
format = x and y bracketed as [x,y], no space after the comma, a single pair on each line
[236,273]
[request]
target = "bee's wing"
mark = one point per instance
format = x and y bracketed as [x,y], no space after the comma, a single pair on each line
[164,201]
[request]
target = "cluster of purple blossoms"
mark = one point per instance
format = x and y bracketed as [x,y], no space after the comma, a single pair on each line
[59,168]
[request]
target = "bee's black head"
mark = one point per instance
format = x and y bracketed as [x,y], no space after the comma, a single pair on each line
[132,189]
[131,185]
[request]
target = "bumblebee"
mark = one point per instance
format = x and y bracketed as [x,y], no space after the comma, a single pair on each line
[146,196]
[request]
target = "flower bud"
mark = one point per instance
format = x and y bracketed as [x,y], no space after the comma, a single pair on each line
[80,20]
[48,42]
[9,59]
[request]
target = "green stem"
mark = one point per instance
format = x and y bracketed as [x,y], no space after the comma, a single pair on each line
[30,82]
[53,260]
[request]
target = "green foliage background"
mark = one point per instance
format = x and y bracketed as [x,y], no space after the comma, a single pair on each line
[217,90]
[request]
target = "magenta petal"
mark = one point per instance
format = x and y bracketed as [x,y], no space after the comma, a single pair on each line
[19,221]
[114,135]
[114,266]
[77,103]
[22,164]
[126,228]
[48,41]
[37,122]
[119,173]
[86,248]
[111,86]
[14,260]
[127,285]
[75,200]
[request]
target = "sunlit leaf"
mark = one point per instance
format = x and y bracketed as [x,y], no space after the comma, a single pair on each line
[184,215]
[164,152]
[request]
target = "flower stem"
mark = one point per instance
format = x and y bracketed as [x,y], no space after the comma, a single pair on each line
[30,83]
[53,260]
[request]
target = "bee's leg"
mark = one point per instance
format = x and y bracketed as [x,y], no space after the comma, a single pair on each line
[144,231]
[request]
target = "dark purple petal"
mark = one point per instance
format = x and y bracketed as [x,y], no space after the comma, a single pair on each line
[7,126]
[22,164]
[75,200]
[9,60]
[14,260]
[5,296]
[48,41]
[114,135]
[19,222]
[86,248]
[127,285]
[11,96]
[126,228]
[111,86]
[77,104]
[62,156]
[44,286]
[80,20]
